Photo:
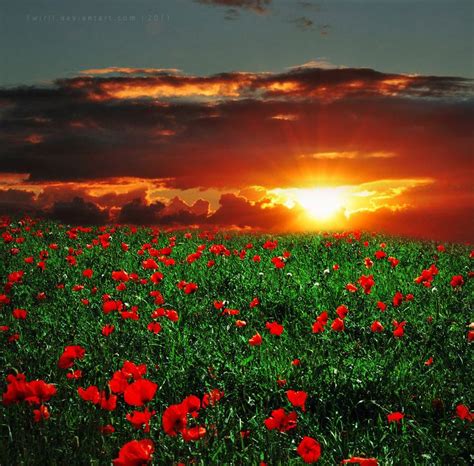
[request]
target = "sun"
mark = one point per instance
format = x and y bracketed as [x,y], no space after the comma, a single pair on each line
[320,203]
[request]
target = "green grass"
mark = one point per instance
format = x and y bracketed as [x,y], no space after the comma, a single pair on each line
[353,378]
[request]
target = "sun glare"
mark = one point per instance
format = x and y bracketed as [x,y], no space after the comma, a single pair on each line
[319,203]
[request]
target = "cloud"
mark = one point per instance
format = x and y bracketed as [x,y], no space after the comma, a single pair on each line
[79,212]
[109,138]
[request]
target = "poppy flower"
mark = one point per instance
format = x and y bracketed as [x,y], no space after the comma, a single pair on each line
[351,287]
[309,449]
[87,273]
[457,281]
[77,374]
[107,330]
[41,414]
[254,302]
[154,327]
[140,419]
[256,340]
[397,299]
[193,434]
[278,262]
[108,429]
[212,397]
[281,421]
[462,412]
[368,262]
[140,392]
[174,419]
[240,323]
[382,306]
[90,394]
[190,288]
[274,328]
[399,330]
[361,461]
[366,282]
[297,398]
[342,311]
[70,354]
[135,453]
[149,264]
[172,315]
[376,327]
[429,361]
[393,261]
[395,417]
[19,314]
[256,258]
[338,325]
[380,254]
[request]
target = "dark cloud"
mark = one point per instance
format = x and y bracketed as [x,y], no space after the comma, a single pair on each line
[137,212]
[79,212]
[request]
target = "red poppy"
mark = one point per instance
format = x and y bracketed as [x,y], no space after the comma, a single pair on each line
[212,397]
[376,327]
[149,264]
[380,254]
[256,340]
[135,453]
[342,311]
[366,282]
[462,412]
[77,374]
[457,281]
[278,262]
[351,287]
[382,306]
[297,398]
[395,417]
[190,288]
[254,302]
[41,414]
[140,419]
[281,421]
[90,394]
[397,299]
[429,361]
[240,323]
[19,314]
[154,327]
[393,261]
[70,354]
[368,262]
[174,419]
[87,273]
[274,328]
[107,330]
[140,392]
[193,434]
[399,330]
[361,461]
[337,325]
[108,429]
[309,449]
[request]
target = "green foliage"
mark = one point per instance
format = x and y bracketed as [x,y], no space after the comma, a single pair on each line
[353,378]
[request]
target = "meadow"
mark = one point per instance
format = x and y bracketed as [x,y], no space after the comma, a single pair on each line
[147,346]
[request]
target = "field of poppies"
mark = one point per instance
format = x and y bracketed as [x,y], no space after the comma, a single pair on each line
[146,346]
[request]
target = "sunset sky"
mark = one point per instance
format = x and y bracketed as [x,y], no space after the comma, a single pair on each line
[251,114]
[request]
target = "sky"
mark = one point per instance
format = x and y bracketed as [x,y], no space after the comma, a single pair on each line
[270,115]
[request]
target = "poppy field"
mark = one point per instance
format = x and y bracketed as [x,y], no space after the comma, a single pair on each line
[135,345]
